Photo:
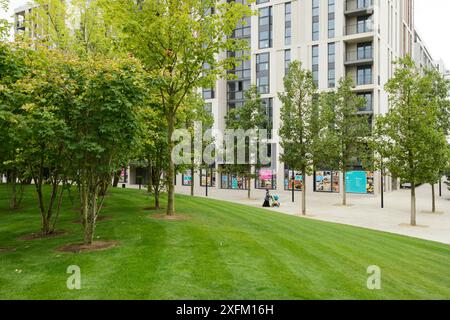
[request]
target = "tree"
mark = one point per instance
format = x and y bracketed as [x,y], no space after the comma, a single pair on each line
[251,116]
[13,67]
[409,128]
[193,111]
[175,40]
[299,118]
[153,149]
[41,133]
[347,131]
[439,104]
[103,124]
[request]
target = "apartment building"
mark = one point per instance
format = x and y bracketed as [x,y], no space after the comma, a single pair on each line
[333,38]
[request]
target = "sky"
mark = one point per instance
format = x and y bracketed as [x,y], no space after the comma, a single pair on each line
[432,23]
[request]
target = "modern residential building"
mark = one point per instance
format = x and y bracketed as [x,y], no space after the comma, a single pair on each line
[421,55]
[333,38]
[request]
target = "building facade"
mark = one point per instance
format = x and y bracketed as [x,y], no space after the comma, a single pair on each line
[333,38]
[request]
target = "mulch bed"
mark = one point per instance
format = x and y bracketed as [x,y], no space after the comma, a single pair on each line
[36,236]
[95,246]
[176,217]
[7,250]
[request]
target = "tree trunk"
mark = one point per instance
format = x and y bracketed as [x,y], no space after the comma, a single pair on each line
[116,178]
[171,170]
[433,199]
[150,177]
[344,191]
[192,181]
[248,186]
[304,192]
[413,204]
[157,205]
[12,179]
[91,215]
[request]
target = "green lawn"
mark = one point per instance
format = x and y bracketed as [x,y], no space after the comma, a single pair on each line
[226,251]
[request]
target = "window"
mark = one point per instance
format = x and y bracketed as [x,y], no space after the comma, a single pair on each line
[287,23]
[233,181]
[211,177]
[261,1]
[364,24]
[266,179]
[315,64]
[368,97]
[268,105]
[208,93]
[364,4]
[315,20]
[287,60]
[262,72]
[331,65]
[364,51]
[265,27]
[331,18]
[326,181]
[242,72]
[364,76]
[292,178]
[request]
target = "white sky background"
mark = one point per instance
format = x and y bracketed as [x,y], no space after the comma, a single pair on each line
[432,22]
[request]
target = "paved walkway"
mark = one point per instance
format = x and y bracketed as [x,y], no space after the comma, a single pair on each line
[363,211]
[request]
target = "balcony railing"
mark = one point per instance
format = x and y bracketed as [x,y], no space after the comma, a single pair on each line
[363,55]
[360,27]
[357,5]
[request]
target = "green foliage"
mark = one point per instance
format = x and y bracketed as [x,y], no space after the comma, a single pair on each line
[251,116]
[4,24]
[178,43]
[347,131]
[299,119]
[409,129]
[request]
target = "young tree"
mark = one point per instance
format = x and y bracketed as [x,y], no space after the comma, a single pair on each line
[175,40]
[408,129]
[42,95]
[193,111]
[299,118]
[251,116]
[12,68]
[153,149]
[103,124]
[346,131]
[439,104]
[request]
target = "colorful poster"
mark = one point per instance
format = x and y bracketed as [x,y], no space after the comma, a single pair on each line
[234,182]
[187,180]
[356,182]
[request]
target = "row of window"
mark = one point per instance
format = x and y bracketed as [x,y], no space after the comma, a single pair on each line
[324,181]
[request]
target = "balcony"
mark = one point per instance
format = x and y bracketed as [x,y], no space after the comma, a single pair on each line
[361,27]
[359,57]
[355,8]
[360,80]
